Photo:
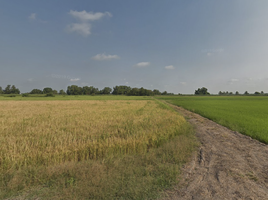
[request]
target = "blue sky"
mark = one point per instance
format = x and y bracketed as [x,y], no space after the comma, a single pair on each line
[172,45]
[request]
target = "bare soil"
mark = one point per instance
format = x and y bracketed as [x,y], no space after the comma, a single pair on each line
[228,165]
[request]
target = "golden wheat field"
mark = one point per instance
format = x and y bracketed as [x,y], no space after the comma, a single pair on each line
[91,149]
[50,132]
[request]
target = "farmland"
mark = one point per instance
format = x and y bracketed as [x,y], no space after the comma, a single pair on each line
[245,114]
[95,149]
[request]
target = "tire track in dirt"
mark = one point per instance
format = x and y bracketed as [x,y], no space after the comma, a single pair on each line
[228,165]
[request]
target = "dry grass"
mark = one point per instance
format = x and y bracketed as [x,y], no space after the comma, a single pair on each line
[38,138]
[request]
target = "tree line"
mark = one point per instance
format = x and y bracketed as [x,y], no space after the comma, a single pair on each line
[9,90]
[237,93]
[89,90]
[204,91]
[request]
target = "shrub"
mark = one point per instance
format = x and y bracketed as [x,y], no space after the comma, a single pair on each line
[25,95]
[50,95]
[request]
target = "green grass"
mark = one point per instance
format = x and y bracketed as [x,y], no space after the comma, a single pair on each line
[42,97]
[245,114]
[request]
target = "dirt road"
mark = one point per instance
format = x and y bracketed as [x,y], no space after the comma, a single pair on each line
[228,165]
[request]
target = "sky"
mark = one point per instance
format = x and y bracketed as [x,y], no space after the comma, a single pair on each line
[176,46]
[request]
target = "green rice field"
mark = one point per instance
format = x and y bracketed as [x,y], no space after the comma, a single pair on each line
[245,114]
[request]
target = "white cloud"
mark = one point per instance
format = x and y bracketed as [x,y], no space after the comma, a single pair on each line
[32,16]
[183,83]
[75,79]
[89,16]
[169,67]
[81,28]
[142,64]
[105,57]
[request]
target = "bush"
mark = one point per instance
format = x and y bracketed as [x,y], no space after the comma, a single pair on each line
[50,95]
[25,95]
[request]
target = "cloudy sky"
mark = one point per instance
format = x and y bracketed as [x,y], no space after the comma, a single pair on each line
[172,45]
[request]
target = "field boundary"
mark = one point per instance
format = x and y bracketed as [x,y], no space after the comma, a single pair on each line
[228,165]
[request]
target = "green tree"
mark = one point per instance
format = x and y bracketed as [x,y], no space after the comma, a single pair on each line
[7,89]
[74,90]
[202,91]
[164,93]
[236,93]
[54,92]
[1,90]
[122,89]
[106,90]
[62,92]
[257,93]
[11,90]
[134,92]
[36,91]
[246,93]
[156,92]
[47,90]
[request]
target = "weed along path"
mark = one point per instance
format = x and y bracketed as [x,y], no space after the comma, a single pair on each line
[228,165]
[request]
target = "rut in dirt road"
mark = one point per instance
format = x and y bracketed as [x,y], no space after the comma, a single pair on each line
[229,165]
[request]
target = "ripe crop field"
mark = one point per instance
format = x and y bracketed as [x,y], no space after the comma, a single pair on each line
[91,149]
[245,114]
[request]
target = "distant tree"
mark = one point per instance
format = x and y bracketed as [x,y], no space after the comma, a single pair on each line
[202,91]
[106,90]
[257,93]
[156,92]
[62,92]
[262,92]
[54,92]
[94,90]
[220,93]
[47,90]
[236,93]
[86,90]
[1,90]
[122,89]
[246,93]
[74,90]
[36,91]
[7,89]
[11,90]
[230,93]
[134,92]
[14,90]
[164,93]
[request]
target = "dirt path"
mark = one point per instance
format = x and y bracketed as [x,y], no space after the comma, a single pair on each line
[229,165]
